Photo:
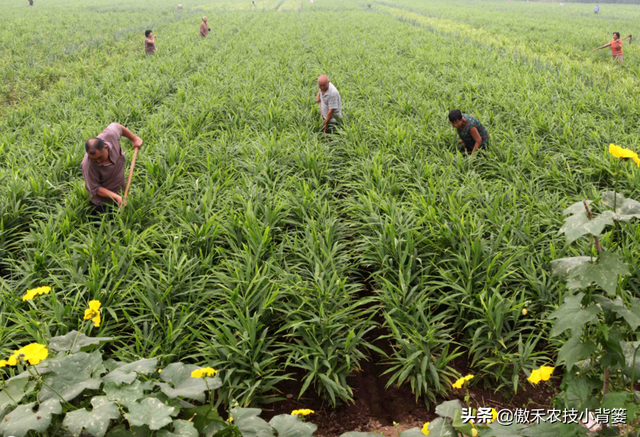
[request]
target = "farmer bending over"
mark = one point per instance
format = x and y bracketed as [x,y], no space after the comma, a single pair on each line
[103,165]
[204,28]
[149,43]
[472,133]
[330,104]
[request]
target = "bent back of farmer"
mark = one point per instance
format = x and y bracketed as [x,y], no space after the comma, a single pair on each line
[472,133]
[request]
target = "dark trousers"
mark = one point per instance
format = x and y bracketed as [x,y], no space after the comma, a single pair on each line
[332,128]
[469,145]
[96,210]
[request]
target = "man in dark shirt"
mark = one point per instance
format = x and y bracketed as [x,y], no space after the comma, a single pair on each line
[103,165]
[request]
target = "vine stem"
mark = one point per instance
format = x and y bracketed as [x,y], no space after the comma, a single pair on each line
[597,239]
[607,373]
[46,385]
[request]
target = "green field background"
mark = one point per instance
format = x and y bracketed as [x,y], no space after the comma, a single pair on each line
[250,242]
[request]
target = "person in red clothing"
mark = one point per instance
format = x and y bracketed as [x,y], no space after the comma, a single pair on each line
[616,47]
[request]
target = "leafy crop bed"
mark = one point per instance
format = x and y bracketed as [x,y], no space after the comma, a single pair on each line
[253,244]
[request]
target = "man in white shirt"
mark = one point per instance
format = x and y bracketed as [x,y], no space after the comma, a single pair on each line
[330,104]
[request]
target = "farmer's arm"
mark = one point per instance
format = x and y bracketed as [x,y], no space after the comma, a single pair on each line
[326,121]
[476,137]
[103,192]
[602,47]
[135,140]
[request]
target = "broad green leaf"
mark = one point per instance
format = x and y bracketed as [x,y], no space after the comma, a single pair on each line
[150,412]
[127,373]
[631,351]
[578,225]
[413,432]
[604,273]
[574,350]
[22,420]
[440,428]
[556,429]
[630,315]
[572,316]
[13,391]
[178,382]
[616,399]
[126,395]
[578,394]
[626,209]
[203,416]
[96,421]
[448,408]
[250,425]
[74,341]
[576,208]
[71,375]
[291,426]
[563,267]
[497,430]
[360,434]
[181,428]
[460,425]
[135,431]
[212,428]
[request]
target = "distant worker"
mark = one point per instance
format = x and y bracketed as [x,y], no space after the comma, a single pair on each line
[149,43]
[330,104]
[103,166]
[204,28]
[597,9]
[473,135]
[179,7]
[254,4]
[30,2]
[616,47]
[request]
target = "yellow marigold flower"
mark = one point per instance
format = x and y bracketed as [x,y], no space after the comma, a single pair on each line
[494,414]
[35,292]
[159,370]
[93,313]
[230,419]
[541,374]
[474,432]
[624,153]
[33,353]
[3,363]
[425,428]
[524,311]
[207,371]
[460,382]
[303,412]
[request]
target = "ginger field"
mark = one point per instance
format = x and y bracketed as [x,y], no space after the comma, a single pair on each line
[292,262]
